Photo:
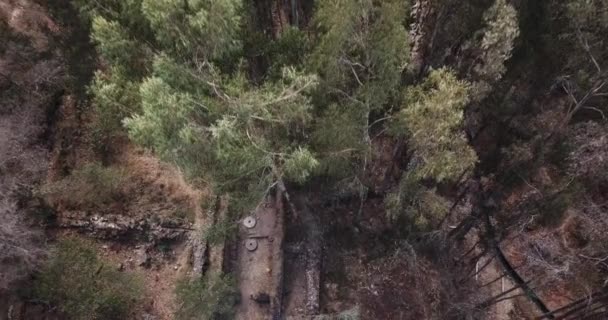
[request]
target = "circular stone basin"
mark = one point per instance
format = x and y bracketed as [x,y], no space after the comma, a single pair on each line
[249,222]
[251,244]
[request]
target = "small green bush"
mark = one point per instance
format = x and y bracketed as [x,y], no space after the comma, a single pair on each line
[220,231]
[213,297]
[83,286]
[89,186]
[418,204]
[288,50]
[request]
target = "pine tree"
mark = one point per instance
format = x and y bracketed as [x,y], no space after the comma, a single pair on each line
[119,31]
[433,117]
[361,53]
[176,100]
[115,97]
[499,34]
[202,28]
[420,206]
[114,43]
[249,131]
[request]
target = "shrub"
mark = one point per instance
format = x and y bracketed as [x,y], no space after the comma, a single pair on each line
[212,297]
[288,50]
[219,231]
[418,204]
[84,287]
[89,186]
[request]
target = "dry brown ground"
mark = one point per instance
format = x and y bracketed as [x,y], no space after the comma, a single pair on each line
[256,270]
[154,189]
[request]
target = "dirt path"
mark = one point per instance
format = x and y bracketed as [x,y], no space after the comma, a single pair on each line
[259,271]
[501,310]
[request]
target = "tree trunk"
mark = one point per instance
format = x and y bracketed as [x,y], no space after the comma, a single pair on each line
[112,226]
[277,263]
[280,17]
[421,33]
[508,268]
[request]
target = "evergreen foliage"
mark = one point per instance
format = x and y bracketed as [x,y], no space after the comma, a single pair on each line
[290,49]
[114,97]
[421,206]
[175,101]
[219,231]
[126,13]
[243,137]
[499,34]
[204,29]
[336,135]
[433,117]
[361,52]
[247,133]
[113,42]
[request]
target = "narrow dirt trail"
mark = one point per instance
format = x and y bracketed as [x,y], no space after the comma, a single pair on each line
[503,309]
[260,264]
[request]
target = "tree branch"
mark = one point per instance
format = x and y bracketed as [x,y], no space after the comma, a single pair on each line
[508,268]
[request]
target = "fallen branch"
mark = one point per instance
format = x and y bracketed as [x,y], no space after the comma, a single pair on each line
[509,270]
[283,190]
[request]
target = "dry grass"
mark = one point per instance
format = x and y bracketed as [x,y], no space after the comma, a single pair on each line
[90,186]
[137,185]
[157,185]
[28,19]
[159,281]
[27,86]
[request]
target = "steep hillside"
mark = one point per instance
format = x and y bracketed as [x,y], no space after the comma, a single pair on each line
[328,159]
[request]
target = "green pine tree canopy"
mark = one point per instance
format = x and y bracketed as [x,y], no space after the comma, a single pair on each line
[175,77]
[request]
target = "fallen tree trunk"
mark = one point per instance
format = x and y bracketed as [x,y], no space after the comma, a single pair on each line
[510,271]
[120,227]
[585,301]
[277,263]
